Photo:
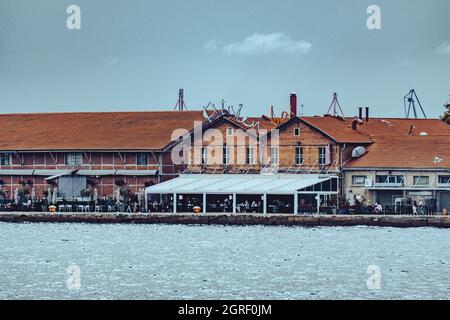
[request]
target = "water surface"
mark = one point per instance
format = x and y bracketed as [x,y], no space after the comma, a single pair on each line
[217,262]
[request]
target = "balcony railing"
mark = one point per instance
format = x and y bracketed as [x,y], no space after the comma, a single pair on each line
[389,184]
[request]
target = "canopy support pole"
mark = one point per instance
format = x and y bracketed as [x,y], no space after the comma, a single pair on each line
[234,203]
[265,203]
[204,203]
[146,202]
[296,203]
[175,203]
[318,203]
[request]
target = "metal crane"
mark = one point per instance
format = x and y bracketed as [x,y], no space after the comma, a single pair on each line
[410,99]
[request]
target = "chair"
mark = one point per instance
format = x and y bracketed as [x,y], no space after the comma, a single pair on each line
[61,208]
[110,208]
[98,208]
[80,208]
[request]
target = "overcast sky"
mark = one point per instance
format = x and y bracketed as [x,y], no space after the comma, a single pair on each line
[134,55]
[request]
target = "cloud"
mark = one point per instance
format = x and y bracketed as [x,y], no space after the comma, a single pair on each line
[260,44]
[211,46]
[112,60]
[443,49]
[404,64]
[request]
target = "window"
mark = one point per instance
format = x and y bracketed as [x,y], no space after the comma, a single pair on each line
[296,132]
[322,155]
[386,179]
[230,131]
[299,155]
[205,156]
[444,179]
[74,159]
[359,180]
[421,180]
[142,159]
[5,159]
[274,155]
[250,155]
[226,155]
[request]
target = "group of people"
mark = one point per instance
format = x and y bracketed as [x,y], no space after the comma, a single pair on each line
[246,206]
[418,208]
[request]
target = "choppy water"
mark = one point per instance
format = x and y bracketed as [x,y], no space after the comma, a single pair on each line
[214,262]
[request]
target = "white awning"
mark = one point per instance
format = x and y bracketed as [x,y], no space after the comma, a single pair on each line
[54,173]
[18,172]
[63,173]
[235,183]
[136,172]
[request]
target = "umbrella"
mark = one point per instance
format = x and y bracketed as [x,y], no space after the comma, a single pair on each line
[117,195]
[49,196]
[95,195]
[33,194]
[140,196]
[16,196]
[55,195]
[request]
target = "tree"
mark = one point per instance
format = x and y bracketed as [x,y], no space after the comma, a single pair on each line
[446,116]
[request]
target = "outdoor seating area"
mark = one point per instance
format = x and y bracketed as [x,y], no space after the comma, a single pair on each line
[250,193]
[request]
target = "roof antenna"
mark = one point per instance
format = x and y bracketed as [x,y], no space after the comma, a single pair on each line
[411,99]
[180,106]
[336,107]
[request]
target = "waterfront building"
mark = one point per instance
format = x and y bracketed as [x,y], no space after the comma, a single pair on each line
[395,162]
[75,152]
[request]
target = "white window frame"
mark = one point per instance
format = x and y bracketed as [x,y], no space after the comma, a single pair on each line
[299,155]
[322,155]
[274,155]
[444,179]
[250,155]
[74,155]
[359,176]
[146,158]
[226,155]
[5,155]
[297,132]
[230,131]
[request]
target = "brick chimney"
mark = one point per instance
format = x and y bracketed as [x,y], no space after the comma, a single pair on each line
[293,104]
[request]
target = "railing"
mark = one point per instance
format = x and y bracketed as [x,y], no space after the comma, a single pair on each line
[387,184]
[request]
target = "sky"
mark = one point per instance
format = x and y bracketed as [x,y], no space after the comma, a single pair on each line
[135,55]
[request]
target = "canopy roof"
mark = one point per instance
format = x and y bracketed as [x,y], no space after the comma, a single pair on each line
[233,183]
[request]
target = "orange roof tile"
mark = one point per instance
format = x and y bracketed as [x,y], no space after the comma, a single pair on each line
[92,130]
[338,129]
[406,152]
[401,127]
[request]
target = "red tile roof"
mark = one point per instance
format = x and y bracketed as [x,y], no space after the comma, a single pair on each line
[338,129]
[401,127]
[406,152]
[405,143]
[396,142]
[92,130]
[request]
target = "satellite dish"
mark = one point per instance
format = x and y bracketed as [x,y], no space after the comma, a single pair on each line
[358,152]
[423,134]
[437,160]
